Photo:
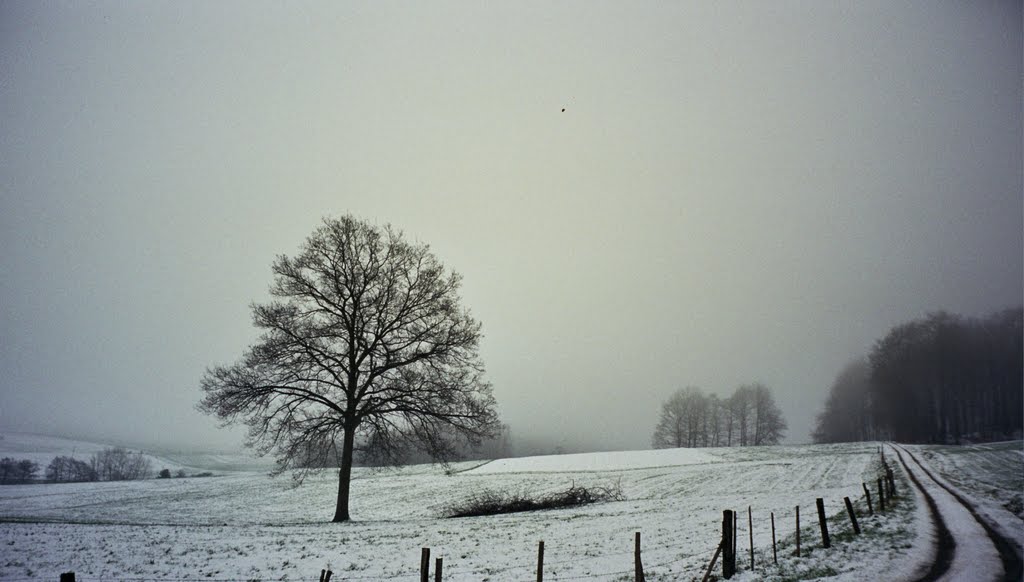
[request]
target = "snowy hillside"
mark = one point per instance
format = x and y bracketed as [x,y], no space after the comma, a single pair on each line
[610,461]
[42,449]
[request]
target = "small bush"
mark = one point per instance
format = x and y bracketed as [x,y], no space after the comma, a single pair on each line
[164,474]
[489,502]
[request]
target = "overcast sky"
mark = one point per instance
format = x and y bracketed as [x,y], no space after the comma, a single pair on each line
[735,192]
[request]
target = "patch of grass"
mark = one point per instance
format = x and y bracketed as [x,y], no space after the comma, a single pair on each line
[491,502]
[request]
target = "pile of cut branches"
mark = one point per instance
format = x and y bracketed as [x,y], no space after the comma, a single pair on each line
[491,502]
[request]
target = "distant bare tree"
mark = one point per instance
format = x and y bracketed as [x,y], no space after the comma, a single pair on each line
[681,423]
[69,470]
[119,464]
[670,432]
[749,417]
[365,346]
[769,425]
[714,421]
[13,471]
[741,407]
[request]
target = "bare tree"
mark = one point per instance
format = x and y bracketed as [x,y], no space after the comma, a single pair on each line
[69,470]
[769,425]
[119,464]
[364,346]
[714,421]
[689,418]
[682,420]
[670,432]
[17,471]
[741,408]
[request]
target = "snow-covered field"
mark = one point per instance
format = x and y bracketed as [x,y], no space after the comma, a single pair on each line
[992,474]
[244,526]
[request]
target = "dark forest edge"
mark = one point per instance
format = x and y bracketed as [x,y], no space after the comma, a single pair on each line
[943,378]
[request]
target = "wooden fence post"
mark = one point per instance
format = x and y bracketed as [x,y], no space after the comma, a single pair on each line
[867,494]
[67,577]
[438,564]
[798,531]
[853,516]
[322,574]
[638,566]
[540,561]
[735,536]
[711,566]
[750,527]
[825,543]
[425,565]
[775,556]
[881,496]
[728,549]
[892,482]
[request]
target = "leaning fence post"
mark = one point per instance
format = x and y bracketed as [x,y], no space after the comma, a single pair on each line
[881,496]
[438,563]
[825,543]
[540,561]
[728,549]
[637,564]
[867,494]
[425,565]
[798,531]
[775,556]
[711,566]
[853,516]
[328,578]
[322,574]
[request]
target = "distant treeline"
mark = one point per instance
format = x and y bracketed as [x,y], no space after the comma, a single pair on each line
[112,464]
[941,379]
[14,471]
[690,418]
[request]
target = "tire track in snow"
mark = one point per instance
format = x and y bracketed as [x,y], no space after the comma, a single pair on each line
[946,544]
[974,556]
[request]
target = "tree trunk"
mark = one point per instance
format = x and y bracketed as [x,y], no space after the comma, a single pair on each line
[344,476]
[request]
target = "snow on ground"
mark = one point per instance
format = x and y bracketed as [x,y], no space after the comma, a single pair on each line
[990,477]
[248,526]
[975,558]
[609,461]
